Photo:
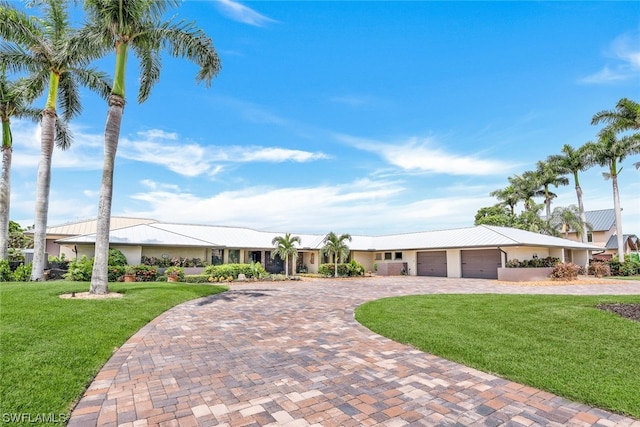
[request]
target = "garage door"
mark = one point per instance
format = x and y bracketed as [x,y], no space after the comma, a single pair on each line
[481,264]
[432,264]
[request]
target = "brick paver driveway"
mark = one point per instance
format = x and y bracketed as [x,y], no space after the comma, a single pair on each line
[292,354]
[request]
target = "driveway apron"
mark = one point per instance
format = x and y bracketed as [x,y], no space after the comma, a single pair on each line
[291,354]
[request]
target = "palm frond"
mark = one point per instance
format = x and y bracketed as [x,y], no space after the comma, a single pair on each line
[94,79]
[150,65]
[69,96]
[17,26]
[64,137]
[185,40]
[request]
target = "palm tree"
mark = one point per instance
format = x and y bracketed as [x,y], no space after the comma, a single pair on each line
[335,246]
[45,47]
[285,247]
[626,116]
[119,25]
[526,187]
[508,197]
[548,175]
[608,151]
[13,103]
[573,161]
[568,218]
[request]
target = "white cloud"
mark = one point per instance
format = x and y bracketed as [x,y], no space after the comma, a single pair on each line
[277,155]
[423,155]
[625,54]
[241,13]
[320,209]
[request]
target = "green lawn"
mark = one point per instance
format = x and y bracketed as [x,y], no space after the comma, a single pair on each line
[562,344]
[51,348]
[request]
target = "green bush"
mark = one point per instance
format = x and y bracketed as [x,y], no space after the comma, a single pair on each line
[630,267]
[344,270]
[233,270]
[116,257]
[565,271]
[22,273]
[144,273]
[5,271]
[196,278]
[80,270]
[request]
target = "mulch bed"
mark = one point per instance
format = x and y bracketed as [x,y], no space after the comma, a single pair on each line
[630,311]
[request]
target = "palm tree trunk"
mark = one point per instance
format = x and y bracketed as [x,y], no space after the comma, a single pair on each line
[335,264]
[5,190]
[618,213]
[583,217]
[286,266]
[43,186]
[99,277]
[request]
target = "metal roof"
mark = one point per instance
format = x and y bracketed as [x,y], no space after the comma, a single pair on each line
[167,234]
[627,239]
[601,220]
[90,226]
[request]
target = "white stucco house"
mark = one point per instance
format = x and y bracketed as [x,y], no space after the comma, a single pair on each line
[474,252]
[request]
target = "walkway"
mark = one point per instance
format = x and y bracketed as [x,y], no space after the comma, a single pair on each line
[291,354]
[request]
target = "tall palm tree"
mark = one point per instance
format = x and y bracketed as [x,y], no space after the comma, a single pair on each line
[14,103]
[626,116]
[508,196]
[45,47]
[608,151]
[566,219]
[548,175]
[285,247]
[336,246]
[137,24]
[573,161]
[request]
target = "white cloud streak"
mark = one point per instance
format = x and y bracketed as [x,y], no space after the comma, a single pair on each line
[241,13]
[625,53]
[423,155]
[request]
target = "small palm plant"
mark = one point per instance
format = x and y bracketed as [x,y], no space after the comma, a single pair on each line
[335,246]
[285,247]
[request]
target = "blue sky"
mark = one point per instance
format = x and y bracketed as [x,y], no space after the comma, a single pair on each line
[354,117]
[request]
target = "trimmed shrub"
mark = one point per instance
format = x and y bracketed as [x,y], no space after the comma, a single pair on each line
[196,278]
[224,271]
[599,268]
[115,273]
[145,273]
[23,273]
[116,257]
[565,271]
[344,270]
[5,271]
[80,270]
[630,267]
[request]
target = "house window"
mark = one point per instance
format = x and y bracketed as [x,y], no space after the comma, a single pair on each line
[216,257]
[387,255]
[398,255]
[589,237]
[378,256]
[234,256]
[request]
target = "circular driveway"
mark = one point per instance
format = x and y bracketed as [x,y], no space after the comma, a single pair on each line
[291,354]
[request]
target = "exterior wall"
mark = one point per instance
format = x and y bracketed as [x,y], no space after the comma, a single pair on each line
[364,258]
[68,252]
[132,253]
[52,248]
[310,260]
[454,263]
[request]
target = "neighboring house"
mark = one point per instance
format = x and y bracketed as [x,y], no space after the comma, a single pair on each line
[466,252]
[79,228]
[603,234]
